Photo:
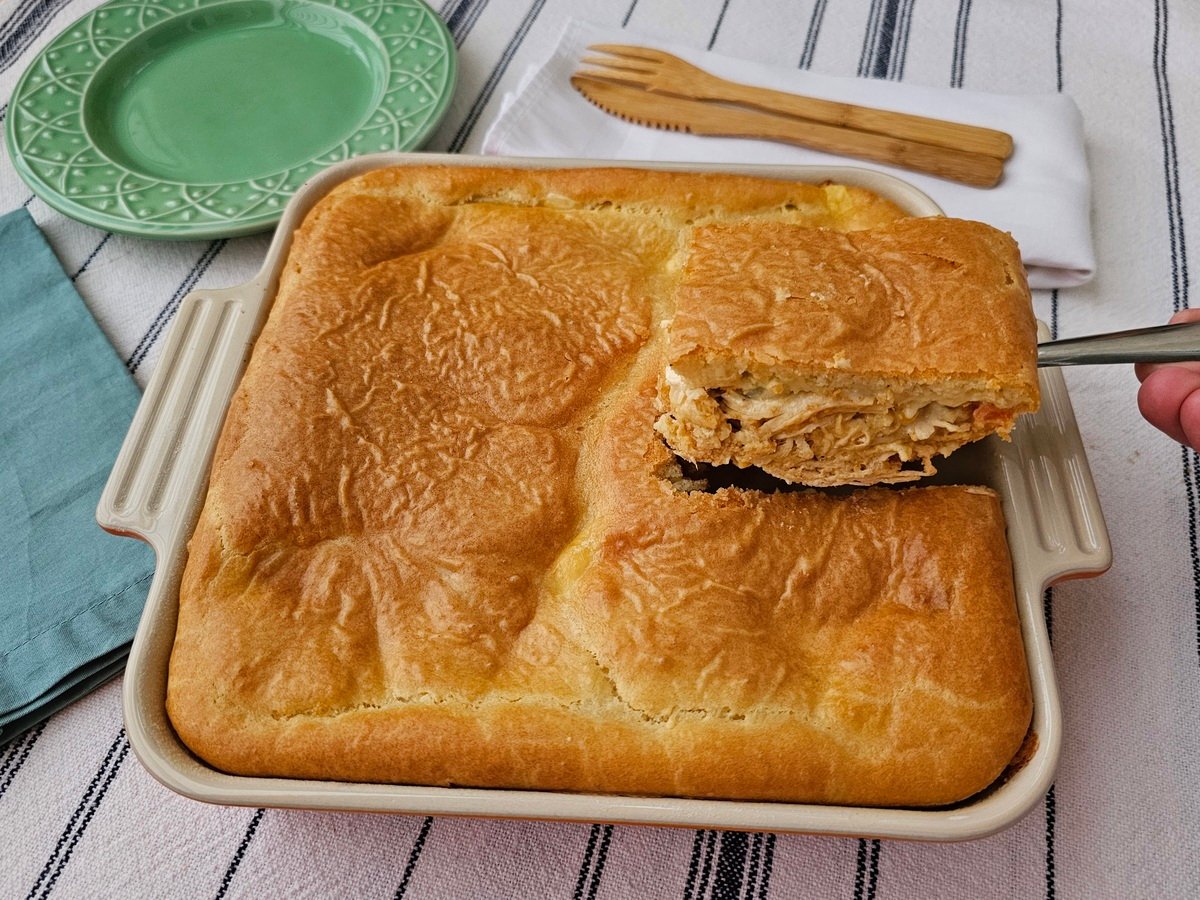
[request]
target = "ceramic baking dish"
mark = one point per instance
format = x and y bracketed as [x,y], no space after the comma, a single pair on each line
[157,485]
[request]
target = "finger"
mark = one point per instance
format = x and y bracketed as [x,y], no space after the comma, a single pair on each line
[1143,370]
[1189,419]
[1185,315]
[1161,399]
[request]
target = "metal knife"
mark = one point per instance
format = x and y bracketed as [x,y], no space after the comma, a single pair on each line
[1162,343]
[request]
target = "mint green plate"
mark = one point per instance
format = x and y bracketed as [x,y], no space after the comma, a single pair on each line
[200,118]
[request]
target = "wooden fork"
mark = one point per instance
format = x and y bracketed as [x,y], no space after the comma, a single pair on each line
[662,73]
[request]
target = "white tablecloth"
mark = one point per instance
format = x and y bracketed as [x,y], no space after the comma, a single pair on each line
[79,816]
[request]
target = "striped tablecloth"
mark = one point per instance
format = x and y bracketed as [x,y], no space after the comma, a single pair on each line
[79,816]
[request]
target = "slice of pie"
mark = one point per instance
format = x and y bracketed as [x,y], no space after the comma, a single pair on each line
[830,358]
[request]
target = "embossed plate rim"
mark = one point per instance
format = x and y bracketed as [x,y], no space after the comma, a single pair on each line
[48,101]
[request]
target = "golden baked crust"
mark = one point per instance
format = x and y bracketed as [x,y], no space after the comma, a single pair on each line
[827,358]
[442,543]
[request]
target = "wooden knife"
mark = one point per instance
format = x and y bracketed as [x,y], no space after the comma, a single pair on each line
[702,117]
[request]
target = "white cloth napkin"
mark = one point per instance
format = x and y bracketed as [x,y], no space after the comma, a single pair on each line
[1043,200]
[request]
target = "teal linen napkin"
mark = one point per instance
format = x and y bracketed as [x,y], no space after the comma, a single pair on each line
[70,594]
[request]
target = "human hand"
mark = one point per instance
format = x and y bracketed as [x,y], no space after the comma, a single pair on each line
[1169,397]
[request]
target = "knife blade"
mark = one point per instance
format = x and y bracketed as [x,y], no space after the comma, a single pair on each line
[702,117]
[1157,344]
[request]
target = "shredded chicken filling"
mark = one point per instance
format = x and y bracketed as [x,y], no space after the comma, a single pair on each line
[770,420]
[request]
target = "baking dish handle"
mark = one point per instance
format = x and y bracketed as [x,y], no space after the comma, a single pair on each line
[159,476]
[1047,478]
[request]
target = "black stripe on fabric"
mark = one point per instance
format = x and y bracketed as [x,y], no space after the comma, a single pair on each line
[958,64]
[138,356]
[453,12]
[900,52]
[1166,114]
[885,42]
[873,871]
[706,868]
[628,13]
[413,856]
[887,32]
[240,854]
[15,20]
[601,857]
[1048,607]
[585,867]
[91,256]
[1191,464]
[768,861]
[731,866]
[1051,891]
[1050,805]
[10,750]
[3,111]
[716,28]
[489,87]
[860,869]
[810,39]
[461,17]
[26,31]
[752,869]
[18,752]
[1179,269]
[869,38]
[1058,23]
[28,200]
[693,865]
[81,818]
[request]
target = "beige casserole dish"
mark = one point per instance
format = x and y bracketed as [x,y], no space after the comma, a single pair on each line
[157,487]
